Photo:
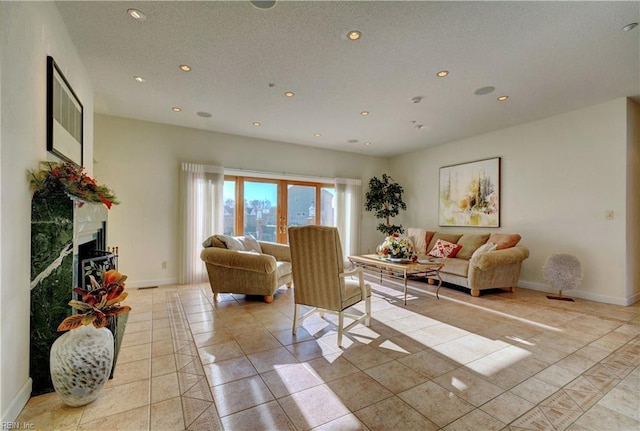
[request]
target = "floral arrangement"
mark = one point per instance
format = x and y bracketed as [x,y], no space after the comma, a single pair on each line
[66,177]
[396,247]
[99,303]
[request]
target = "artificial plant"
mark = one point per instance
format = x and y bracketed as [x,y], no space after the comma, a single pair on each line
[385,198]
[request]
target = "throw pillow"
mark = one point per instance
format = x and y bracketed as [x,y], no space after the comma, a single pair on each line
[470,243]
[250,243]
[489,246]
[445,249]
[230,242]
[449,237]
[504,240]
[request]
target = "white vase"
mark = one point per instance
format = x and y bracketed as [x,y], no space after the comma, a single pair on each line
[80,364]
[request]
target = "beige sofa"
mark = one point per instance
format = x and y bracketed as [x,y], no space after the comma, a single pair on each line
[244,265]
[499,268]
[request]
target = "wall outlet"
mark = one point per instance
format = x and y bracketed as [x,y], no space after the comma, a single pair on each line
[164,264]
[608,215]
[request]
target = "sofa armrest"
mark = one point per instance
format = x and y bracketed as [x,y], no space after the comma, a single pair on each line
[242,260]
[280,251]
[497,258]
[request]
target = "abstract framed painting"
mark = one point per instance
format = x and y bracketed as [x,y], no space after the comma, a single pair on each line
[470,194]
[64,117]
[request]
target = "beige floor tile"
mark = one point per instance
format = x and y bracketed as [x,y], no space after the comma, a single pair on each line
[429,363]
[228,370]
[207,421]
[134,353]
[268,360]
[49,412]
[600,418]
[219,352]
[311,349]
[270,414]
[534,390]
[469,348]
[507,407]
[365,356]
[290,379]
[131,420]
[241,395]
[437,334]
[130,372]
[164,387]
[167,416]
[163,365]
[160,348]
[469,386]
[624,401]
[118,399]
[476,420]
[358,390]
[192,408]
[437,404]
[348,422]
[313,407]
[557,375]
[394,414]
[396,376]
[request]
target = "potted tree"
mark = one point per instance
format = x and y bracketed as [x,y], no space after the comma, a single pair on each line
[385,198]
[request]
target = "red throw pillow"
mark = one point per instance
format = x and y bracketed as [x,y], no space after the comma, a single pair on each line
[445,249]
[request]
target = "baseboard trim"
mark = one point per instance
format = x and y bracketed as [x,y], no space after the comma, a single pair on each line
[17,404]
[614,300]
[146,283]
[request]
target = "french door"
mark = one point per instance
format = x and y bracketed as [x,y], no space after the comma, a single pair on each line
[265,208]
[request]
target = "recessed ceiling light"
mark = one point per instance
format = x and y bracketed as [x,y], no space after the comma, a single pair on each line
[368,144]
[256,123]
[176,109]
[484,90]
[263,4]
[139,78]
[354,35]
[364,113]
[289,94]
[185,68]
[136,14]
[630,27]
[203,114]
[442,73]
[317,135]
[503,98]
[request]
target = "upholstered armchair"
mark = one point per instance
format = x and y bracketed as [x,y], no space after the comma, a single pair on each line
[244,265]
[319,278]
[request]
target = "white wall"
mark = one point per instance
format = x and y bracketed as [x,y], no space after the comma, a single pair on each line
[559,176]
[29,31]
[141,161]
[633,199]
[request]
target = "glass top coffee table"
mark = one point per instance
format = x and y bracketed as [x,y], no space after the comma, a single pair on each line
[403,270]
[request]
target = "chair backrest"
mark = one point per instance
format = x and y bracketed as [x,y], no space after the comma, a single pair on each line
[316,261]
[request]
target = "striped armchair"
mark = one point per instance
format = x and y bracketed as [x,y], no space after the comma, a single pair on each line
[319,278]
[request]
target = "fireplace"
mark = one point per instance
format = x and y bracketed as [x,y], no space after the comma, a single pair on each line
[67,237]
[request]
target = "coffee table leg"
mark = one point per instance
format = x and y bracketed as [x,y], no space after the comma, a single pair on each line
[439,284]
[405,288]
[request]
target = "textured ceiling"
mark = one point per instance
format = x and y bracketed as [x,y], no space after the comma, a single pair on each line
[548,57]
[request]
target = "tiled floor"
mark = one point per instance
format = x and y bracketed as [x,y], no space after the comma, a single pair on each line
[504,361]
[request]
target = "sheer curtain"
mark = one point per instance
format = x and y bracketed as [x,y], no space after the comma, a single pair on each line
[202,212]
[348,209]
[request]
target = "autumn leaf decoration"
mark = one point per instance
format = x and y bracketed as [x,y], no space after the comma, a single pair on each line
[99,303]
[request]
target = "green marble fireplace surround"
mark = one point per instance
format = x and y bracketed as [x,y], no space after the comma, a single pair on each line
[62,231]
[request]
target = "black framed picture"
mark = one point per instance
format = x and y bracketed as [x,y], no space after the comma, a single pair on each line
[64,116]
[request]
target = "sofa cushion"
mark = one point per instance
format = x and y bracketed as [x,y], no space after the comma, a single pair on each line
[459,267]
[450,237]
[445,249]
[283,268]
[504,240]
[484,248]
[418,238]
[470,243]
[213,241]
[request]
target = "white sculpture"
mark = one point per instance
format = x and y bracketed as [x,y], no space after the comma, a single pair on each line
[564,272]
